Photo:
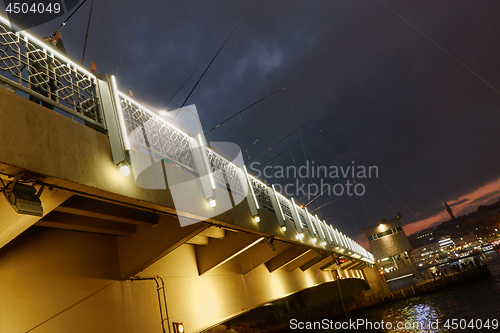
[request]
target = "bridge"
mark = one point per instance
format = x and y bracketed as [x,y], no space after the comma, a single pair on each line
[117,218]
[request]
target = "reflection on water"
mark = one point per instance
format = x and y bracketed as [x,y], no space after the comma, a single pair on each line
[471,301]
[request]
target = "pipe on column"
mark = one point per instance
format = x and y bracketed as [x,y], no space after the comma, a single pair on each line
[155,279]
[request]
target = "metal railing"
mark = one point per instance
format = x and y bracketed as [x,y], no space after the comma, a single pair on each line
[155,134]
[225,172]
[261,191]
[33,67]
[285,206]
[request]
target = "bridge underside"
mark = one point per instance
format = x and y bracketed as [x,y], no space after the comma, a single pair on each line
[70,281]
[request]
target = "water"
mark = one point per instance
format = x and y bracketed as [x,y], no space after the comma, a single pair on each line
[476,300]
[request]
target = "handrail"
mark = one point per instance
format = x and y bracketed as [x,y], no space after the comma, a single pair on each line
[31,66]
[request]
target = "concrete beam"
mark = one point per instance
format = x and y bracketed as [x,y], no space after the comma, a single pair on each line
[88,207]
[220,251]
[259,254]
[310,255]
[360,265]
[348,264]
[81,223]
[152,243]
[214,232]
[286,257]
[331,266]
[198,240]
[317,263]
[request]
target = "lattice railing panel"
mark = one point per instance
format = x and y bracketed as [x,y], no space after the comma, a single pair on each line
[225,172]
[156,135]
[261,192]
[34,67]
[285,207]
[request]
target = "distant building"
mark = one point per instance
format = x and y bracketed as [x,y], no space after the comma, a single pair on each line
[470,228]
[445,243]
[423,256]
[392,251]
[465,240]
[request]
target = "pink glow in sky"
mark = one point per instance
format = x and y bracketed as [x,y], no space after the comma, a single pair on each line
[465,204]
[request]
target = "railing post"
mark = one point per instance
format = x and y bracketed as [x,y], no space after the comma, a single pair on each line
[111,108]
[310,226]
[296,218]
[203,168]
[253,204]
[321,233]
[277,208]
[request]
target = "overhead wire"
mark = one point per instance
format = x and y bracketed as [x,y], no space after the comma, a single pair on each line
[298,143]
[180,89]
[440,47]
[240,112]
[206,69]
[279,141]
[383,182]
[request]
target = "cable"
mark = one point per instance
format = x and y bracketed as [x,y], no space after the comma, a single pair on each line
[440,47]
[383,182]
[80,301]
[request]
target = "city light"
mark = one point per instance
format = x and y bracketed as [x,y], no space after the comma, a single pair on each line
[178,327]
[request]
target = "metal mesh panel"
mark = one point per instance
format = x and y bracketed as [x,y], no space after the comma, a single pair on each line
[261,192]
[224,171]
[157,136]
[33,67]
[285,207]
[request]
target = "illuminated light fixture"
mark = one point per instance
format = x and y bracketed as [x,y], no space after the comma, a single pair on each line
[323,243]
[24,198]
[300,236]
[341,250]
[123,127]
[124,169]
[256,218]
[314,240]
[212,202]
[283,228]
[163,113]
[178,327]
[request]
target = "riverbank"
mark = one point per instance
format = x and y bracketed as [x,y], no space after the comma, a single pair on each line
[424,287]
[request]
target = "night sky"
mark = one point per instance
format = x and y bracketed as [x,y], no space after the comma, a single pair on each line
[381,92]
